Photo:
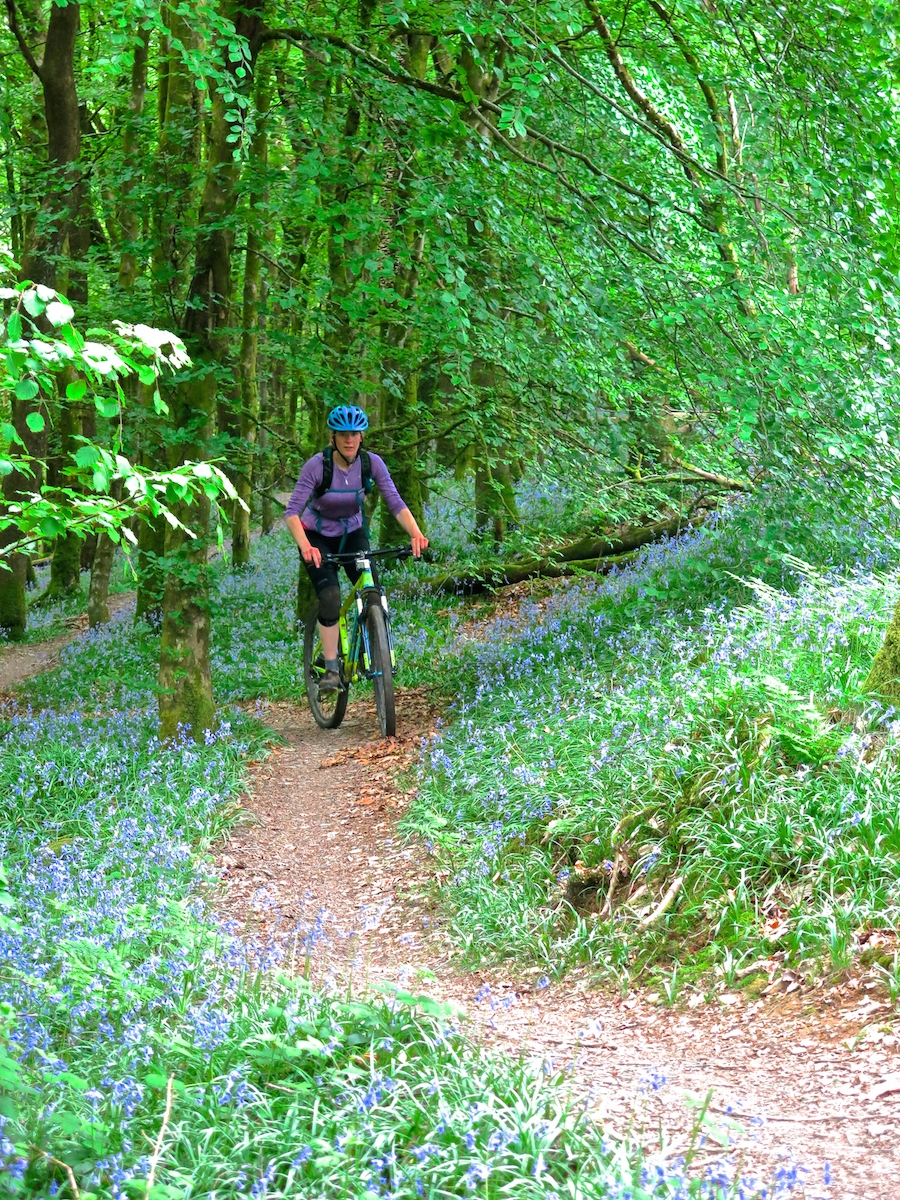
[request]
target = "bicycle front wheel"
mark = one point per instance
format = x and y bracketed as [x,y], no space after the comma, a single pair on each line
[327,708]
[382,671]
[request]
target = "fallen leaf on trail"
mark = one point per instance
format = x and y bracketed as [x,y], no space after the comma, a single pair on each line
[889,1085]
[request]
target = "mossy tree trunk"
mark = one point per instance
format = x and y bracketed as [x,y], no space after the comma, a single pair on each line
[101,570]
[185,672]
[249,364]
[151,571]
[400,402]
[65,565]
[883,679]
[495,499]
[59,233]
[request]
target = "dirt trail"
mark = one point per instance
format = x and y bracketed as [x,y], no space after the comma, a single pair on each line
[797,1083]
[19,662]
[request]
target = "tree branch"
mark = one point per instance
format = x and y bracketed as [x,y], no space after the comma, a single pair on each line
[626,79]
[735,485]
[709,95]
[302,37]
[20,39]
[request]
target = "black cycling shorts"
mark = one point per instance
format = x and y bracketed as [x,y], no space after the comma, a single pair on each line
[325,578]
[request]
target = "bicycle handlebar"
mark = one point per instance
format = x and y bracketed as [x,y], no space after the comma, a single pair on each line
[353,555]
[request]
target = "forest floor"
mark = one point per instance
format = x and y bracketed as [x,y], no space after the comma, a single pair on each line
[804,1084]
[20,662]
[798,1081]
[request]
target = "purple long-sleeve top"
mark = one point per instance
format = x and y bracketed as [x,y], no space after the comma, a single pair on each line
[339,511]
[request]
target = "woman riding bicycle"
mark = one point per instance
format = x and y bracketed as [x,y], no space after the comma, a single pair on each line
[326,516]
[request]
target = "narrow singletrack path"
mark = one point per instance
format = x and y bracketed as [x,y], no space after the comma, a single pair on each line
[21,660]
[797,1082]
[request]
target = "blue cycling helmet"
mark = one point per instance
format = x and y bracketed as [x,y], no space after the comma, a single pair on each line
[347,418]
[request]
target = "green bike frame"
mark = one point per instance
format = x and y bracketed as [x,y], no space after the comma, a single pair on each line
[352,625]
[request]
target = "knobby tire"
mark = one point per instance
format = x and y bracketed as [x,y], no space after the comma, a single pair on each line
[329,711]
[383,674]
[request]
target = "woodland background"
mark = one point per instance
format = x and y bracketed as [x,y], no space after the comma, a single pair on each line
[649,248]
[601,273]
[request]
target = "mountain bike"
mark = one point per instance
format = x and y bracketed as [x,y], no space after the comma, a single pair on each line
[365,648]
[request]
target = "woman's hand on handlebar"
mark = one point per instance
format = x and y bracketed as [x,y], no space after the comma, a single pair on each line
[311,554]
[418,542]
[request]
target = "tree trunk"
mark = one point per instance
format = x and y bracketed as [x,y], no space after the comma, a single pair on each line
[400,402]
[62,207]
[174,167]
[495,500]
[593,554]
[151,571]
[101,570]
[126,213]
[883,679]
[65,565]
[482,59]
[55,230]
[240,530]
[185,673]
[249,365]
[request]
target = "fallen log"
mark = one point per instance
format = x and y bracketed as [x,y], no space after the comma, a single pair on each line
[595,554]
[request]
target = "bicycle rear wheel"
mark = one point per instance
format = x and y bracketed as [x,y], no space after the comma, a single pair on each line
[329,708]
[382,671]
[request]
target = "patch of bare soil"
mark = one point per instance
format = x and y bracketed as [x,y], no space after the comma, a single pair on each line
[798,1081]
[20,662]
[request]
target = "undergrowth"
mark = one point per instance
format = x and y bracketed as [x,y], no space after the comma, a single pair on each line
[638,785]
[631,778]
[148,1051]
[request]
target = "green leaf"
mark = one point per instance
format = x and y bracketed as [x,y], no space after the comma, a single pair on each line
[106,407]
[34,305]
[59,313]
[145,374]
[26,389]
[101,477]
[76,390]
[52,527]
[86,456]
[14,327]
[10,434]
[67,1122]
[35,422]
[72,337]
[74,1081]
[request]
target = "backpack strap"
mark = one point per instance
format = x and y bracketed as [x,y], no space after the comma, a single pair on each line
[327,473]
[365,463]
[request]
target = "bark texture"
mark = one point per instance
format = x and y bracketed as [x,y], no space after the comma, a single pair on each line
[249,364]
[101,570]
[883,679]
[185,674]
[61,227]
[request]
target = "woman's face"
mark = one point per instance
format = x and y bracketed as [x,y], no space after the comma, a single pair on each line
[348,444]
